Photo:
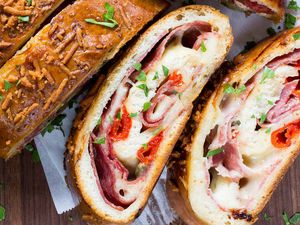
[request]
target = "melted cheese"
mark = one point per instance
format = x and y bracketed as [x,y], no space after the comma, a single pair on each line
[175,57]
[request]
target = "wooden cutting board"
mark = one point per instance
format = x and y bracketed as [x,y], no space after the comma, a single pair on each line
[25,195]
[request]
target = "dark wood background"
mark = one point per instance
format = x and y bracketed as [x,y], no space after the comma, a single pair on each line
[26,197]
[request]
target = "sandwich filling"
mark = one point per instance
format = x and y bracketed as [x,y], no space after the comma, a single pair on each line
[151,96]
[252,6]
[259,121]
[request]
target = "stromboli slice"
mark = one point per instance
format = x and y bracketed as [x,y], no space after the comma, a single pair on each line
[19,20]
[119,149]
[247,137]
[271,9]
[58,60]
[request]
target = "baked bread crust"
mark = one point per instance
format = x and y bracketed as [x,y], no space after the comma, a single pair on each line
[58,60]
[15,32]
[79,158]
[180,176]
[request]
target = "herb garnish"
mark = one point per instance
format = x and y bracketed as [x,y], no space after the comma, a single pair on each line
[203,48]
[145,146]
[119,115]
[29,2]
[214,152]
[296,36]
[295,219]
[165,70]
[146,106]
[157,130]
[55,124]
[270,102]
[34,153]
[290,20]
[100,141]
[267,74]
[144,88]
[133,115]
[229,89]
[263,118]
[2,213]
[267,217]
[271,31]
[155,76]
[142,77]
[293,5]
[268,130]
[99,121]
[7,85]
[108,17]
[24,19]
[138,66]
[1,97]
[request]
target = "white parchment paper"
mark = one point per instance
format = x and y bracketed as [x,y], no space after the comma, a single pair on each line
[51,147]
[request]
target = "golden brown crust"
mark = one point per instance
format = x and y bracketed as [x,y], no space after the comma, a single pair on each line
[59,59]
[13,31]
[245,66]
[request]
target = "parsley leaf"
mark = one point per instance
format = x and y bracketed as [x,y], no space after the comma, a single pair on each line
[155,76]
[144,88]
[263,118]
[7,85]
[290,20]
[146,106]
[157,130]
[145,146]
[24,19]
[29,147]
[106,24]
[1,97]
[271,31]
[203,48]
[142,77]
[119,115]
[295,219]
[293,5]
[267,74]
[285,218]
[296,36]
[133,115]
[100,141]
[99,121]
[55,124]
[267,217]
[214,152]
[270,102]
[268,130]
[109,15]
[229,89]
[29,2]
[165,70]
[2,213]
[138,66]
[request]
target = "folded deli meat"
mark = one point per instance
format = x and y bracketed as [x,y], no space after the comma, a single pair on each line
[19,19]
[119,149]
[59,59]
[272,9]
[247,136]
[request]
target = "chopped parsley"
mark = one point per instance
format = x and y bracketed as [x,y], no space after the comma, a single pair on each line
[214,152]
[146,106]
[157,130]
[268,130]
[295,219]
[285,218]
[270,102]
[145,146]
[267,217]
[119,115]
[165,70]
[263,118]
[229,89]
[7,85]
[271,31]
[29,2]
[55,124]
[267,74]
[296,36]
[110,119]
[142,76]
[23,19]
[138,66]
[133,115]
[203,48]
[34,153]
[99,121]
[293,5]
[108,17]
[2,213]
[290,20]
[144,88]
[155,76]
[1,97]
[100,141]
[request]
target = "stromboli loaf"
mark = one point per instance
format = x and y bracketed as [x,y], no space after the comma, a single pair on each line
[19,20]
[271,9]
[118,149]
[250,125]
[58,60]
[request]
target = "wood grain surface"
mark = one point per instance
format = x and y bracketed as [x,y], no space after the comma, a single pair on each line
[26,197]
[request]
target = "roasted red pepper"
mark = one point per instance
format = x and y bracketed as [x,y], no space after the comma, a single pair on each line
[121,126]
[147,153]
[176,79]
[282,138]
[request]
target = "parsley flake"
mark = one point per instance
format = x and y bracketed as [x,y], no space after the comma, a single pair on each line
[7,85]
[268,130]
[267,217]
[295,219]
[55,124]
[2,213]
[203,48]
[290,20]
[119,115]
[100,141]
[142,76]
[214,152]
[296,36]
[267,74]
[263,118]
[133,115]
[138,66]
[285,218]
[293,5]
[229,89]
[23,19]
[145,146]
[1,97]
[165,70]
[271,31]
[144,88]
[146,106]
[29,2]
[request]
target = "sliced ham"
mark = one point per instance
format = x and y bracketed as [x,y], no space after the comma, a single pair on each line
[289,58]
[256,7]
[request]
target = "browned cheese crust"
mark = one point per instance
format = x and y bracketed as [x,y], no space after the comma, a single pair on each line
[58,60]
[15,30]
[177,186]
